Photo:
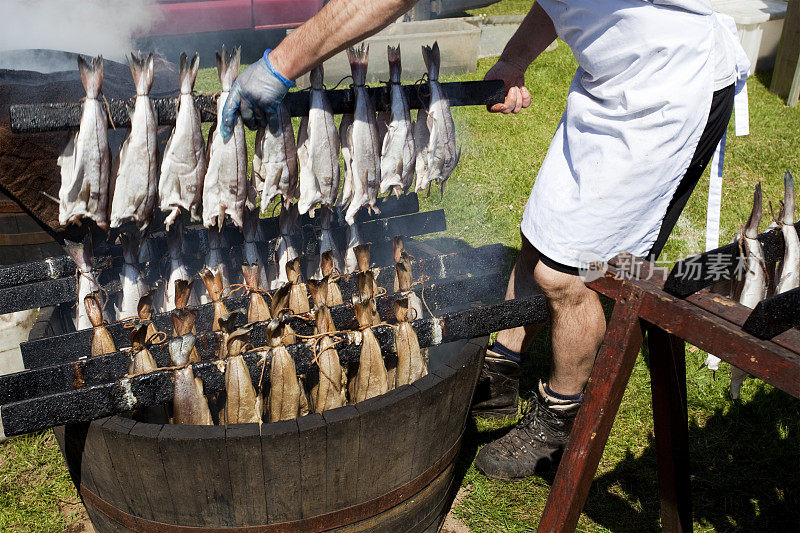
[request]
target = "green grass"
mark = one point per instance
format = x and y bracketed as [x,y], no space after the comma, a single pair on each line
[745,454]
[506,7]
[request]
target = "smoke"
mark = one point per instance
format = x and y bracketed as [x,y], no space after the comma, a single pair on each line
[92,27]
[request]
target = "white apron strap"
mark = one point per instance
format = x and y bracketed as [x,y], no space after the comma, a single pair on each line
[741,118]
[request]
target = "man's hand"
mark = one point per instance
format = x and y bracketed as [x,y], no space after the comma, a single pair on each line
[256,94]
[517,95]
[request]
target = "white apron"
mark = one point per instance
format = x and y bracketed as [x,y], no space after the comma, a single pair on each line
[635,112]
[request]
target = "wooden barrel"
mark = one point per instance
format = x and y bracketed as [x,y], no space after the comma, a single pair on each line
[385,464]
[21,238]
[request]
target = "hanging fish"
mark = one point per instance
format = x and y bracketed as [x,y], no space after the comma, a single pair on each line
[80,252]
[353,241]
[189,404]
[142,361]
[177,267]
[362,254]
[257,309]
[363,145]
[135,182]
[225,187]
[242,403]
[330,390]
[252,233]
[334,294]
[788,273]
[183,324]
[285,251]
[86,160]
[327,244]
[144,310]
[183,292]
[442,153]
[183,168]
[318,149]
[397,151]
[318,288]
[754,288]
[102,343]
[227,326]
[275,160]
[217,256]
[298,296]
[345,144]
[422,137]
[133,285]
[404,280]
[412,364]
[287,398]
[371,378]
[213,282]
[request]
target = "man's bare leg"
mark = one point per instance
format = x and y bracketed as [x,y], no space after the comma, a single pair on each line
[578,327]
[535,444]
[521,284]
[497,393]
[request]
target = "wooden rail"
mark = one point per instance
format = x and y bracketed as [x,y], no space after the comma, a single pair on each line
[38,118]
[706,320]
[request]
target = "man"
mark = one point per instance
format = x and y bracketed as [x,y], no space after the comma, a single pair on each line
[647,106]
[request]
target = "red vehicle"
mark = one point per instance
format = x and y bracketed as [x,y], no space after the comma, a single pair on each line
[204,25]
[180,17]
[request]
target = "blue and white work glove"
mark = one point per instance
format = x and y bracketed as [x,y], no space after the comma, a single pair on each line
[256,94]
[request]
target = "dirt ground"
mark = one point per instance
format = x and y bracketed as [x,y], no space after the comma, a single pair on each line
[451,523]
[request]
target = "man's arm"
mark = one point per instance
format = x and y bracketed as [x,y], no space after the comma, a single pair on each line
[534,35]
[257,92]
[339,24]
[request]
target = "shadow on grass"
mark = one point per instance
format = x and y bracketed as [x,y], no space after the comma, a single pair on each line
[744,465]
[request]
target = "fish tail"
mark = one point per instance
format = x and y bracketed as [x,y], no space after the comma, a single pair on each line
[751,228]
[317,76]
[228,66]
[91,75]
[787,209]
[395,68]
[142,70]
[358,57]
[432,60]
[189,72]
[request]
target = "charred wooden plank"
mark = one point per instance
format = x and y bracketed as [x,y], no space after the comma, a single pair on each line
[84,372]
[155,388]
[106,255]
[72,346]
[774,315]
[703,270]
[37,118]
[52,292]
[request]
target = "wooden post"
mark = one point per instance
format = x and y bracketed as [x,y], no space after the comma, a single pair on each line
[670,420]
[786,76]
[601,402]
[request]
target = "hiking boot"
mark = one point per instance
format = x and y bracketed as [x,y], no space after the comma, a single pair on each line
[497,392]
[535,444]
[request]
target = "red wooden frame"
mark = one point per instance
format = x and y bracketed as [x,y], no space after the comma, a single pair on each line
[710,322]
